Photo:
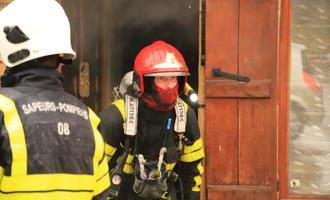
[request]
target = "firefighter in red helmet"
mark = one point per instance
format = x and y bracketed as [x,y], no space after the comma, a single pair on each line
[153,142]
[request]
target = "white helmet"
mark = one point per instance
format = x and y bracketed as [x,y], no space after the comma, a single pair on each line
[31,29]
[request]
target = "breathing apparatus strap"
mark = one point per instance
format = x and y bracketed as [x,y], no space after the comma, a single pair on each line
[131,108]
[180,125]
[181,117]
[130,129]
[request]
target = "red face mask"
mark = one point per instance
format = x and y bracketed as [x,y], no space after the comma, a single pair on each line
[167,98]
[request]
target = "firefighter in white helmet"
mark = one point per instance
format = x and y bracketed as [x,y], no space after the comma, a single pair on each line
[50,147]
[153,142]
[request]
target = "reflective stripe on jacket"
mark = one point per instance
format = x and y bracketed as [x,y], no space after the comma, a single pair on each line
[50,147]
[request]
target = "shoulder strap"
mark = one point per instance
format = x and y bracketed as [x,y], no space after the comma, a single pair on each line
[128,109]
[181,116]
[129,112]
[131,108]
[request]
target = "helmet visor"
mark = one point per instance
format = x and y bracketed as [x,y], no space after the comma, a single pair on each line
[168,74]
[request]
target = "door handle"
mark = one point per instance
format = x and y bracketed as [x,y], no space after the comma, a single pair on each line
[218,73]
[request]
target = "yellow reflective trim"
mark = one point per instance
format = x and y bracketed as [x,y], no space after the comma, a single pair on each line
[129,159]
[190,157]
[128,168]
[110,150]
[185,105]
[46,182]
[197,145]
[198,180]
[187,89]
[101,169]
[120,104]
[98,140]
[15,130]
[196,189]
[2,171]
[200,168]
[102,178]
[47,196]
[170,167]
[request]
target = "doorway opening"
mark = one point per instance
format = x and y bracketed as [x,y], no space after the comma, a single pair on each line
[131,25]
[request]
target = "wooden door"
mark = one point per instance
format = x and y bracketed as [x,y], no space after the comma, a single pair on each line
[241,118]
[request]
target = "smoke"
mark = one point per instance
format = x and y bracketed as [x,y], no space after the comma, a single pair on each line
[109,34]
[137,23]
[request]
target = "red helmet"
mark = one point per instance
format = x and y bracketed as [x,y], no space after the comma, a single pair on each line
[160,59]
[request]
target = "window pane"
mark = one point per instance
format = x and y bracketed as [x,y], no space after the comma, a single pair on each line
[309,118]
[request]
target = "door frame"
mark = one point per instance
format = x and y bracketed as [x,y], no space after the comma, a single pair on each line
[283,101]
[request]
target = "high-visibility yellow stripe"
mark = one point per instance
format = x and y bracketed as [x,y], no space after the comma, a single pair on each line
[200,168]
[100,169]
[187,89]
[128,168]
[15,130]
[102,178]
[55,195]
[2,171]
[44,182]
[193,156]
[198,179]
[110,150]
[185,105]
[170,167]
[198,182]
[196,189]
[120,104]
[129,159]
[197,145]
[99,144]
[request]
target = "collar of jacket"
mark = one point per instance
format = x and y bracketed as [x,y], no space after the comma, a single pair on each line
[42,77]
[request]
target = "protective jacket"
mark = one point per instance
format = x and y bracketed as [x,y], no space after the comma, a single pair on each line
[151,131]
[50,147]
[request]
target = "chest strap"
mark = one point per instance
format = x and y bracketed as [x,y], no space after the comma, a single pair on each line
[131,114]
[181,117]
[131,108]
